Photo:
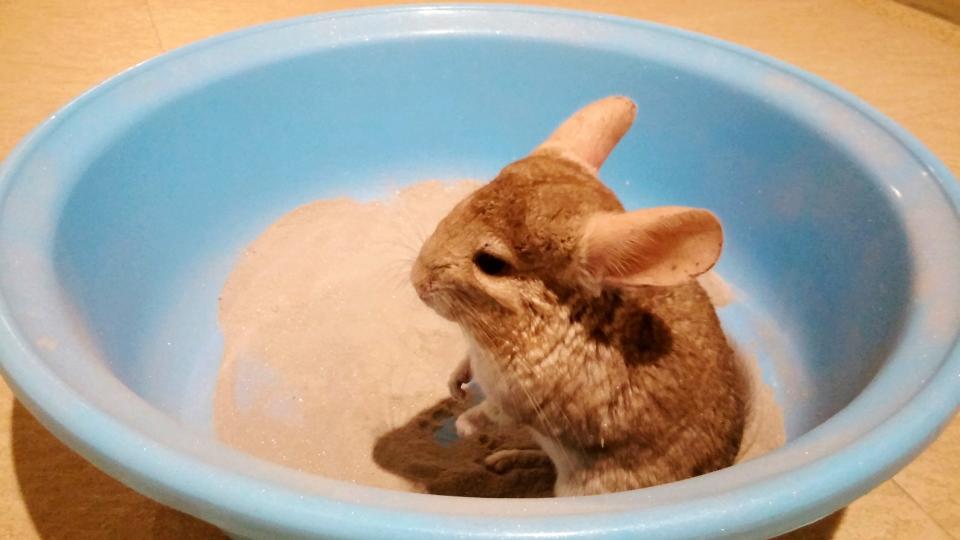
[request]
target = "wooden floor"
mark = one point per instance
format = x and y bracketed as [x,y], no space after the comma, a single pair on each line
[904,61]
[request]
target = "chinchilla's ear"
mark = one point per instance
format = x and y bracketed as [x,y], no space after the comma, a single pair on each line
[658,246]
[590,134]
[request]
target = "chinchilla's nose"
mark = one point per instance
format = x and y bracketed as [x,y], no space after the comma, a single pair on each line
[420,278]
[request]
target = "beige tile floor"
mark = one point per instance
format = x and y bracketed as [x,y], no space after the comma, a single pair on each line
[903,61]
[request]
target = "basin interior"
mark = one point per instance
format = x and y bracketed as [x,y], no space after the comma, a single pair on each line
[158,217]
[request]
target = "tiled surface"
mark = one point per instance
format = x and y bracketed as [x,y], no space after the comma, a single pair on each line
[887,512]
[904,62]
[933,480]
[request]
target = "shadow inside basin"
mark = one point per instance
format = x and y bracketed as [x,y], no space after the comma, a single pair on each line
[426,451]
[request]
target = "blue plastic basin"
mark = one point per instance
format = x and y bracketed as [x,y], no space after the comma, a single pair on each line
[122,214]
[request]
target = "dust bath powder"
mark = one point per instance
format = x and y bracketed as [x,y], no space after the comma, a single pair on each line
[333,366]
[326,345]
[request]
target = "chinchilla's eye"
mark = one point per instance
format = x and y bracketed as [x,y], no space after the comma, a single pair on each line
[490,265]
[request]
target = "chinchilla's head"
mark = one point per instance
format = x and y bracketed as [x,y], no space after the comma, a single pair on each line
[546,231]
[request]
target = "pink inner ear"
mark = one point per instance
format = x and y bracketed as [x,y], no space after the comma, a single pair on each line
[659,246]
[591,133]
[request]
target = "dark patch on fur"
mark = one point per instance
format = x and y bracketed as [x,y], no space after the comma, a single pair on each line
[645,338]
[640,336]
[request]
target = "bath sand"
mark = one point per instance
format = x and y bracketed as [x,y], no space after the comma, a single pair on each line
[333,366]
